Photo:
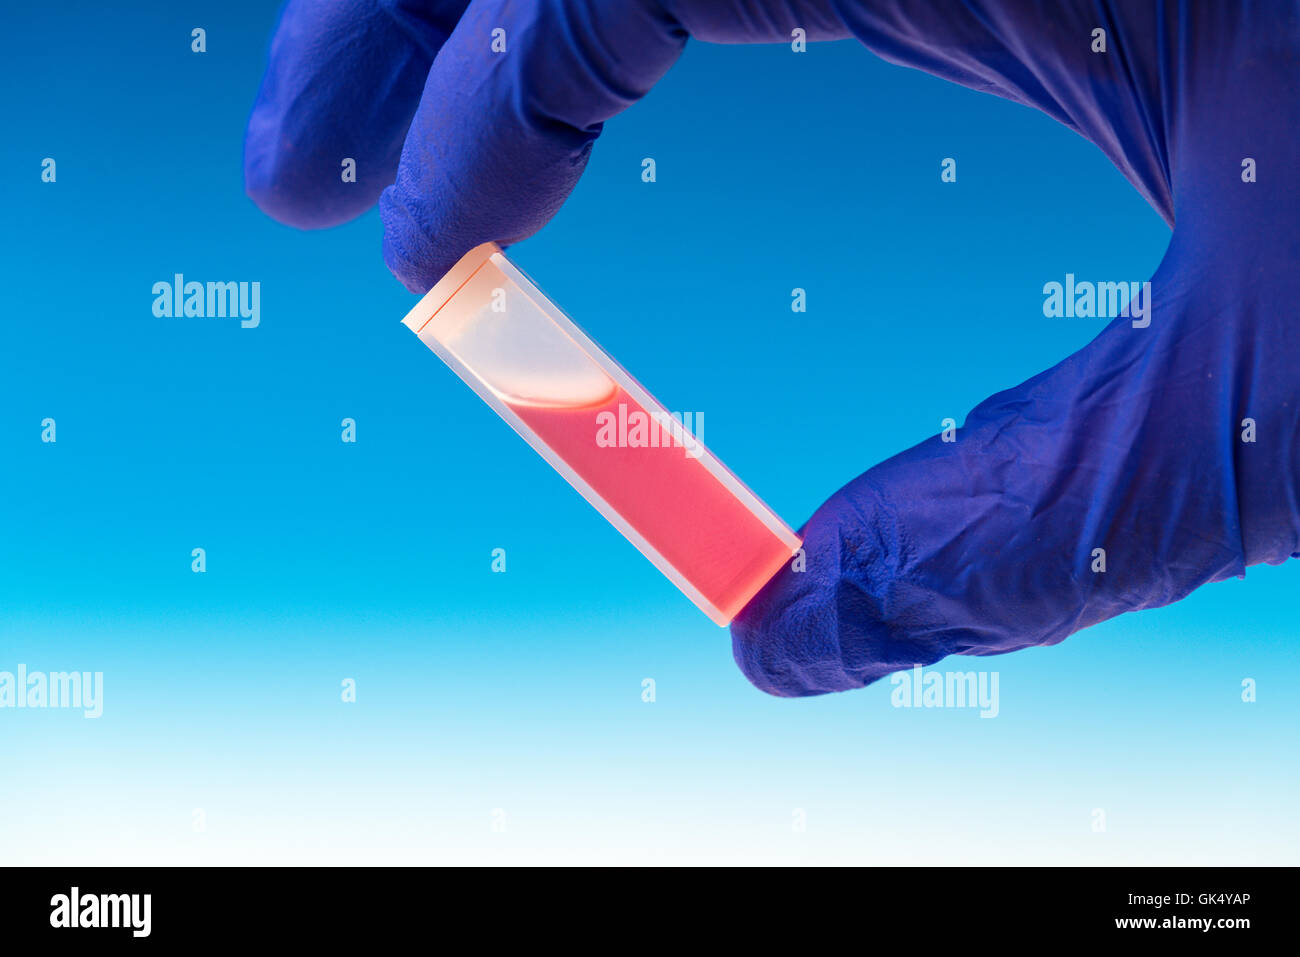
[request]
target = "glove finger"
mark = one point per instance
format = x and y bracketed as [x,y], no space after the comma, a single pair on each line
[759,21]
[840,618]
[512,106]
[342,81]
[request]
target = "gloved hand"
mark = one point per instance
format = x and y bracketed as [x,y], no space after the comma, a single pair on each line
[1136,444]
[493,135]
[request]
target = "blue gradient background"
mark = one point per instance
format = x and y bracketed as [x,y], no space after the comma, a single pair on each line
[371,561]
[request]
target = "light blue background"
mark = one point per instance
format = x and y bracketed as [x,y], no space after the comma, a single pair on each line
[371,561]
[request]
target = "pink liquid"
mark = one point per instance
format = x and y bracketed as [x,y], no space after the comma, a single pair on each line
[681,509]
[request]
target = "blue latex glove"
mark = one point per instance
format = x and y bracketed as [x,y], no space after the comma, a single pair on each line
[980,546]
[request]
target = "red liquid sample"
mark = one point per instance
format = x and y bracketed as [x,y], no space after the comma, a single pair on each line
[677,505]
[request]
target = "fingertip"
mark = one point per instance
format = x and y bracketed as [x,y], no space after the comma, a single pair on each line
[330,116]
[503,133]
[761,641]
[743,650]
[289,190]
[412,254]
